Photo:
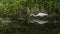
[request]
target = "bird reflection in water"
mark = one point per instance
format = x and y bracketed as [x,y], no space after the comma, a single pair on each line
[39,21]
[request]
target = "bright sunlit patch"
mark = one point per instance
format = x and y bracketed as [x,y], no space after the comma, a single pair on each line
[1,4]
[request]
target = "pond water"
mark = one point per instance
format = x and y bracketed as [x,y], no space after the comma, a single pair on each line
[37,21]
[35,26]
[5,20]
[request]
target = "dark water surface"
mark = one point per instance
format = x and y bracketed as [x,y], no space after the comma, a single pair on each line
[34,27]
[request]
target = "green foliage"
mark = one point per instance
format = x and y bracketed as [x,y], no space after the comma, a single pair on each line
[7,6]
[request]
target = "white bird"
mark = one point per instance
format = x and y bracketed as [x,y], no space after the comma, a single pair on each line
[39,14]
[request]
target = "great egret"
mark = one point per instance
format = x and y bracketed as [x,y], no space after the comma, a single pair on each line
[39,14]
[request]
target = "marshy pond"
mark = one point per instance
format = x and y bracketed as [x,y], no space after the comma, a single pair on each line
[35,26]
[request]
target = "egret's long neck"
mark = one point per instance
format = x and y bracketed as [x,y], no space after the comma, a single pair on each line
[32,15]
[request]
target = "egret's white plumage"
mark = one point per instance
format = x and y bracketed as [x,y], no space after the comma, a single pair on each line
[39,14]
